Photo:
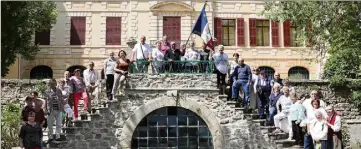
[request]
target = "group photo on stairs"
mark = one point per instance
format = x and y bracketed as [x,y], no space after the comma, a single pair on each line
[187,74]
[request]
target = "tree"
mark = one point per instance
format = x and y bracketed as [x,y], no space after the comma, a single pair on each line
[10,124]
[19,21]
[334,29]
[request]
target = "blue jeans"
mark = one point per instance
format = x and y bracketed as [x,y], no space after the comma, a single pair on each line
[245,88]
[308,142]
[272,113]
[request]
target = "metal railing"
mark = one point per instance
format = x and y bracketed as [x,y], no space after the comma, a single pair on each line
[161,67]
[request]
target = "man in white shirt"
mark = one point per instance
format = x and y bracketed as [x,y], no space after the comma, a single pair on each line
[142,55]
[222,65]
[192,55]
[334,136]
[91,80]
[109,65]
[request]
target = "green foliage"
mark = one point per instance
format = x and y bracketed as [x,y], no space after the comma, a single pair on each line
[10,125]
[335,31]
[296,76]
[19,21]
[338,81]
[356,98]
[40,87]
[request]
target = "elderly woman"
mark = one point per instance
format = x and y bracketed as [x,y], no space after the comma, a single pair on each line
[282,113]
[262,88]
[121,71]
[222,65]
[319,131]
[334,136]
[253,97]
[158,58]
[273,99]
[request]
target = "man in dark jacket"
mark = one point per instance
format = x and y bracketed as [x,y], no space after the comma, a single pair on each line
[243,75]
[173,55]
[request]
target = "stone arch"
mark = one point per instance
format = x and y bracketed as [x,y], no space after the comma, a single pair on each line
[269,71]
[171,7]
[301,72]
[72,68]
[41,72]
[202,111]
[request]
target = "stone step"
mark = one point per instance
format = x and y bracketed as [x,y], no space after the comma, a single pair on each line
[250,116]
[232,104]
[294,147]
[267,129]
[285,143]
[278,136]
[56,144]
[260,122]
[80,123]
[222,97]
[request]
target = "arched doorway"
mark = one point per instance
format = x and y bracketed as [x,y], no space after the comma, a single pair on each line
[172,127]
[41,72]
[268,70]
[72,69]
[298,72]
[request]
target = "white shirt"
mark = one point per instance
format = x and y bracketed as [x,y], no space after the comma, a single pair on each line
[138,50]
[311,114]
[318,129]
[90,76]
[308,104]
[221,61]
[192,55]
[109,65]
[336,127]
[158,57]
[285,103]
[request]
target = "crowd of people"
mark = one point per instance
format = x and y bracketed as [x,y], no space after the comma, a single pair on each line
[274,98]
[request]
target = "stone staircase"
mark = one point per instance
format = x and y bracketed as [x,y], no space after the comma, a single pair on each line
[77,136]
[279,139]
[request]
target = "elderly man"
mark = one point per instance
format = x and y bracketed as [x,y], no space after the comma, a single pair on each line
[334,136]
[174,54]
[277,79]
[262,87]
[192,55]
[222,65]
[109,65]
[142,55]
[91,80]
[243,78]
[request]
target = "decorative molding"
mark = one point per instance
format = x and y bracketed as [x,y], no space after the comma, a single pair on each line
[175,7]
[228,15]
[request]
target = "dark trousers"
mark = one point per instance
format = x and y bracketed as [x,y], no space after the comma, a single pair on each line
[230,89]
[308,142]
[262,104]
[297,133]
[221,78]
[109,85]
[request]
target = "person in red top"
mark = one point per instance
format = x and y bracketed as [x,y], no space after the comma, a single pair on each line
[121,72]
[334,136]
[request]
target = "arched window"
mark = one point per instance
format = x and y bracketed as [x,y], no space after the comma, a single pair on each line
[268,70]
[298,73]
[172,127]
[41,72]
[72,69]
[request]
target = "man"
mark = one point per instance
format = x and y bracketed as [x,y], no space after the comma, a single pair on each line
[109,65]
[334,136]
[277,79]
[262,87]
[37,101]
[54,108]
[142,55]
[232,65]
[204,57]
[91,80]
[222,64]
[283,110]
[174,54]
[273,99]
[192,55]
[243,77]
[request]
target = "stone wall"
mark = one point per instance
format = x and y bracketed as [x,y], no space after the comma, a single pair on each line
[113,126]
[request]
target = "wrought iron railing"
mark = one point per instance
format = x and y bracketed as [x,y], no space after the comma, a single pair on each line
[161,67]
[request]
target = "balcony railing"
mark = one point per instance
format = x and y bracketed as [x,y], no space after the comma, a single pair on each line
[164,67]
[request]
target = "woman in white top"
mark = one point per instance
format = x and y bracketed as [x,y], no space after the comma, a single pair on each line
[158,59]
[232,66]
[192,55]
[285,102]
[318,130]
[222,64]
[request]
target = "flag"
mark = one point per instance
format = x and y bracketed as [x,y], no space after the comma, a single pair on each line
[201,28]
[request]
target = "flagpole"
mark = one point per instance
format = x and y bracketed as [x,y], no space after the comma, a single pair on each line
[193,26]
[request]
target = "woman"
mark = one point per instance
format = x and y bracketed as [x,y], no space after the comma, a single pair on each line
[158,58]
[253,95]
[31,133]
[283,113]
[273,99]
[232,66]
[121,71]
[65,90]
[319,131]
[79,91]
[297,114]
[262,88]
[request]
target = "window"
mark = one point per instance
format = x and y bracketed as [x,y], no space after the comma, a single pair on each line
[42,37]
[113,31]
[172,28]
[295,32]
[72,69]
[228,30]
[41,72]
[77,31]
[298,73]
[268,70]
[172,127]
[263,27]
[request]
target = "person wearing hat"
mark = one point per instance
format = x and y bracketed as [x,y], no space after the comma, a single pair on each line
[334,136]
[262,87]
[79,91]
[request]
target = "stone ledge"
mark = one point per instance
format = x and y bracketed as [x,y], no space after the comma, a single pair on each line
[167,89]
[353,122]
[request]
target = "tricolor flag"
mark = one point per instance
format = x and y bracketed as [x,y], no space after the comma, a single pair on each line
[201,28]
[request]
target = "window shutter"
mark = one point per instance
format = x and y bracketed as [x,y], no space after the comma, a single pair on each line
[42,37]
[240,32]
[218,30]
[275,37]
[77,31]
[113,31]
[287,33]
[253,32]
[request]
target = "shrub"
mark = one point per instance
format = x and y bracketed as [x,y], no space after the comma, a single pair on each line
[338,81]
[10,125]
[297,76]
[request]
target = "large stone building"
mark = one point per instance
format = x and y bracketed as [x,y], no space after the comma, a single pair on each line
[88,31]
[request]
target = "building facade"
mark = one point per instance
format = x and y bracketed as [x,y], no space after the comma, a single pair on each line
[88,31]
